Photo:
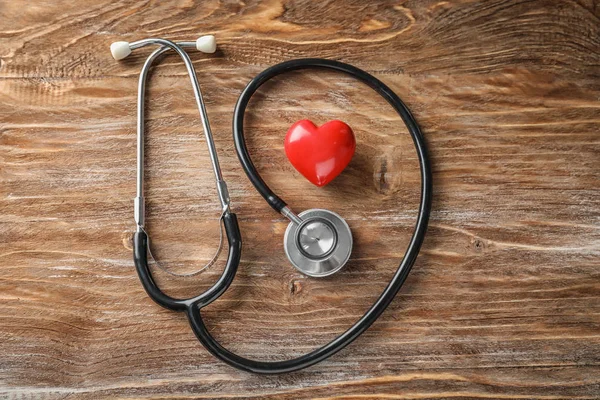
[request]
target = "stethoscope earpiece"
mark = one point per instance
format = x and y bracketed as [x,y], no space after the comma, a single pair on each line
[206,44]
[120,50]
[320,245]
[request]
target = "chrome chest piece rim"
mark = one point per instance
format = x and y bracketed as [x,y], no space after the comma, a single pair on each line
[320,245]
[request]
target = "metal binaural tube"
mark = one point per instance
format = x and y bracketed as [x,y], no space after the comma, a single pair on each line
[139,204]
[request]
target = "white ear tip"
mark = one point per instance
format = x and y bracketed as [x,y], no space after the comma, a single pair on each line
[206,44]
[120,50]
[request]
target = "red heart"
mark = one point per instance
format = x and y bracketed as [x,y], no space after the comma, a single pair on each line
[320,153]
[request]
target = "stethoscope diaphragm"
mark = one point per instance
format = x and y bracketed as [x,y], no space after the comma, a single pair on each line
[320,245]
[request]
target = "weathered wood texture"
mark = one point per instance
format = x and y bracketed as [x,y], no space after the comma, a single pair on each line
[504,300]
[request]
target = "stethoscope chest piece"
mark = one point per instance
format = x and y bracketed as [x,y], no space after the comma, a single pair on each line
[320,245]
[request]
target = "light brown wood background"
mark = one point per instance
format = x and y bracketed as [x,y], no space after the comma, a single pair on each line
[504,300]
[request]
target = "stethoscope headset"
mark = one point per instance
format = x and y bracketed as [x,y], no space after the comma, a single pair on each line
[317,242]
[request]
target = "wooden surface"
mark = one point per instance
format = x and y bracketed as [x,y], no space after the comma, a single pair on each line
[504,299]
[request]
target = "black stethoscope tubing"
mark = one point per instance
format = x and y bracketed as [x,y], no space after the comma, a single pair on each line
[193,306]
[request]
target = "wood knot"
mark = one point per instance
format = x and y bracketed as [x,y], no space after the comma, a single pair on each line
[295,287]
[478,245]
[381,181]
[127,237]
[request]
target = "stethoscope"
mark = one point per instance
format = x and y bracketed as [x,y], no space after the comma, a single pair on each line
[317,242]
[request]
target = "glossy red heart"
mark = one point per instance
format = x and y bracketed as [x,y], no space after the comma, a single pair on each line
[320,153]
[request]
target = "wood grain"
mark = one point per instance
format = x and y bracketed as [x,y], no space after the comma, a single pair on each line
[504,300]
